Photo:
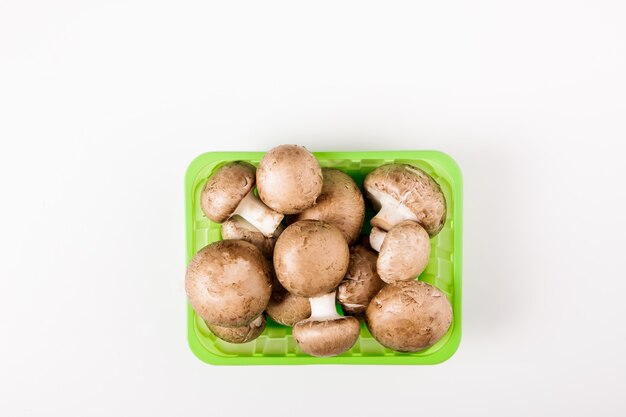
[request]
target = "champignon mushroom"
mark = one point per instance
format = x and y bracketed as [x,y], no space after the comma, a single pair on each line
[403,251]
[242,334]
[229,191]
[287,308]
[361,282]
[311,258]
[289,179]
[239,228]
[326,333]
[403,192]
[340,204]
[228,283]
[409,316]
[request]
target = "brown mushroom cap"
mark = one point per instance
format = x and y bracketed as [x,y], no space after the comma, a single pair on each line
[408,186]
[326,337]
[225,189]
[289,179]
[404,253]
[239,228]
[228,283]
[311,258]
[361,282]
[242,334]
[287,308]
[409,316]
[340,204]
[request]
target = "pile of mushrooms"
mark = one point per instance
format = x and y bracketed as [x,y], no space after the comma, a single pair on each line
[293,251]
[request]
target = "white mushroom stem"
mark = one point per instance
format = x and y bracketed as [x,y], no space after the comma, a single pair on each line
[391,210]
[377,237]
[258,214]
[244,224]
[323,307]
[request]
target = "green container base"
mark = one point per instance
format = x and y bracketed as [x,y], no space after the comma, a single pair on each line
[276,345]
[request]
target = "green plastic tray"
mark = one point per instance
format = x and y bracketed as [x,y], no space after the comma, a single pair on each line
[276,345]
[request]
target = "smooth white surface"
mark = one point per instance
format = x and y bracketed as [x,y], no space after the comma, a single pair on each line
[103,105]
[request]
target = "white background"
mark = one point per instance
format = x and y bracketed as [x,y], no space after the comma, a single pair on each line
[104,104]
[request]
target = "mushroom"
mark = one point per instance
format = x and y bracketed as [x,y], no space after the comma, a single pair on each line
[241,334]
[403,251]
[228,283]
[287,308]
[311,258]
[403,192]
[326,333]
[409,316]
[289,179]
[340,204]
[361,282]
[229,191]
[239,228]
